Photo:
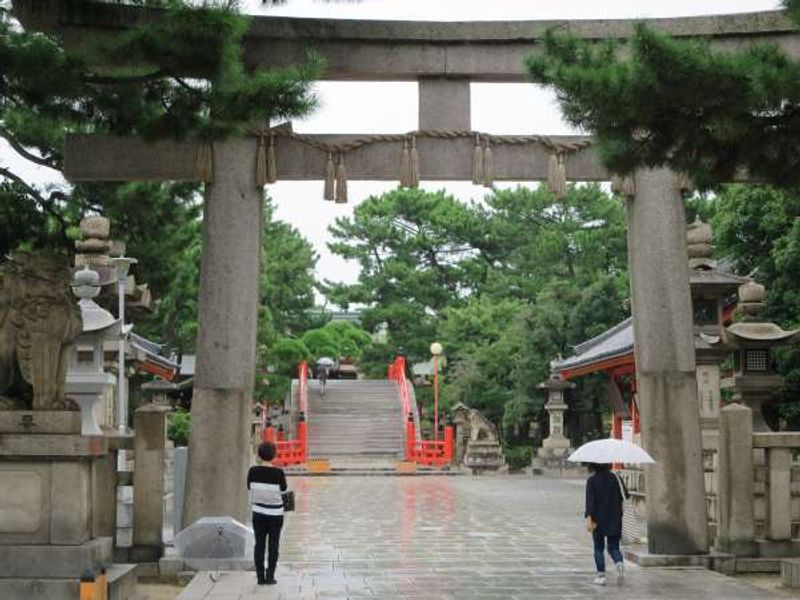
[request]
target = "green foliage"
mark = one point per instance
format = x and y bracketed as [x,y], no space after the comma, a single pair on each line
[179,423]
[656,100]
[506,285]
[758,228]
[518,457]
[321,343]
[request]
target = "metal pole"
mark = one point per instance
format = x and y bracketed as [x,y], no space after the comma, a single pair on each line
[435,397]
[122,410]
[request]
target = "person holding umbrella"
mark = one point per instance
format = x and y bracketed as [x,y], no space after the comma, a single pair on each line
[605,493]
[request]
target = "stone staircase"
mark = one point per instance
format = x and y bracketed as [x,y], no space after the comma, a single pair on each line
[358,424]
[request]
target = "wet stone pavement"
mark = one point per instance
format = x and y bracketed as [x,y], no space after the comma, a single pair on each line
[465,537]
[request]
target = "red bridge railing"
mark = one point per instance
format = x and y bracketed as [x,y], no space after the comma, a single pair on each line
[424,452]
[292,452]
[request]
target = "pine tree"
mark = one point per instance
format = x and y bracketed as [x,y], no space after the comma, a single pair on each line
[705,112]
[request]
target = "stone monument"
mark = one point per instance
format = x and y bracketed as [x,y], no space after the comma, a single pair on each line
[482,452]
[755,379]
[53,511]
[556,444]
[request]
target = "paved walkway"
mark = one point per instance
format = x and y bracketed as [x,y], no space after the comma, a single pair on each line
[458,538]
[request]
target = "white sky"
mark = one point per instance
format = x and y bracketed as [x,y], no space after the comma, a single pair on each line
[347,107]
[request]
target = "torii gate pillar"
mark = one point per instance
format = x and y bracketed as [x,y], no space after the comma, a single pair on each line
[219,443]
[665,365]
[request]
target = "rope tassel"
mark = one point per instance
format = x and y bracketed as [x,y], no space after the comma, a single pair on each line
[204,161]
[261,163]
[623,185]
[272,167]
[488,164]
[405,166]
[413,180]
[330,177]
[557,175]
[477,162]
[341,181]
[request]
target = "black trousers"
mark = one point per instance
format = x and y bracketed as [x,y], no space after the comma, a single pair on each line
[266,527]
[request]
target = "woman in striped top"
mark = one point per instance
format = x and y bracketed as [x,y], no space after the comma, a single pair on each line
[266,484]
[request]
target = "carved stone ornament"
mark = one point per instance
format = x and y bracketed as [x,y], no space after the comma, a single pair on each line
[39,320]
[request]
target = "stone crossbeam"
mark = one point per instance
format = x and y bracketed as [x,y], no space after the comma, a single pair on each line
[108,158]
[491,51]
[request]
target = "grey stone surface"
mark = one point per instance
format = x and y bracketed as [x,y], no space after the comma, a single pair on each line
[790,572]
[40,421]
[460,538]
[122,582]
[179,464]
[51,445]
[71,506]
[53,561]
[214,538]
[736,527]
[149,480]
[125,159]
[490,51]
[226,340]
[665,362]
[444,103]
[779,461]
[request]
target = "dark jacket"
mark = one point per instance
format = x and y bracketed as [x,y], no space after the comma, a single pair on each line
[604,502]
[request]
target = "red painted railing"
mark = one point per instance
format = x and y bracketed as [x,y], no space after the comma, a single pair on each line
[292,452]
[425,452]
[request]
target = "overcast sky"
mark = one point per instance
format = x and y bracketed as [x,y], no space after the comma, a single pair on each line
[347,107]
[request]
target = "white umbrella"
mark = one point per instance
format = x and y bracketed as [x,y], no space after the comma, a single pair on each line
[326,361]
[610,451]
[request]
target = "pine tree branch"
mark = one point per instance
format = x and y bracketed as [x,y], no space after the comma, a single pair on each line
[53,161]
[46,204]
[111,80]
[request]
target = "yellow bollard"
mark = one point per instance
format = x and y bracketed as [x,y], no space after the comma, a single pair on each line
[88,587]
[102,584]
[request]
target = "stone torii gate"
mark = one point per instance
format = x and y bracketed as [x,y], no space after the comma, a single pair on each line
[444,58]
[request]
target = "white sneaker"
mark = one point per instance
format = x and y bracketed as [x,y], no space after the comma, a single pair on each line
[620,570]
[600,579]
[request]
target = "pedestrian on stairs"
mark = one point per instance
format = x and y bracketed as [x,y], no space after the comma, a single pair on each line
[323,379]
[267,485]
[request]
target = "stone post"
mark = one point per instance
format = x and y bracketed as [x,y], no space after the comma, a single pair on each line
[150,449]
[736,525]
[219,444]
[779,461]
[444,103]
[665,364]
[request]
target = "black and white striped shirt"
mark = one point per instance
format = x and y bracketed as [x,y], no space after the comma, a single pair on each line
[265,485]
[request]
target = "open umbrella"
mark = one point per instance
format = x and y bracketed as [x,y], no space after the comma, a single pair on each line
[610,451]
[326,361]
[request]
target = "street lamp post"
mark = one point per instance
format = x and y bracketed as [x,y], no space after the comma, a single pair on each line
[121,265]
[436,350]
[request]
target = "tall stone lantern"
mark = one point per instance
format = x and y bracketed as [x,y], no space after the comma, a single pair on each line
[556,444]
[711,288]
[755,379]
[87,383]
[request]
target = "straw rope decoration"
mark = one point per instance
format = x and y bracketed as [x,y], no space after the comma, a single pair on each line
[409,173]
[204,161]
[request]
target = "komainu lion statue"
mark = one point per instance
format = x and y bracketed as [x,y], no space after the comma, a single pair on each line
[39,320]
[480,428]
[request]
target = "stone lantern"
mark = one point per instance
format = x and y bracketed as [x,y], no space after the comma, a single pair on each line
[556,444]
[755,379]
[712,289]
[87,383]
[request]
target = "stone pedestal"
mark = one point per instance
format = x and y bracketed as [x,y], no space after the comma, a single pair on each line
[149,482]
[484,456]
[50,497]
